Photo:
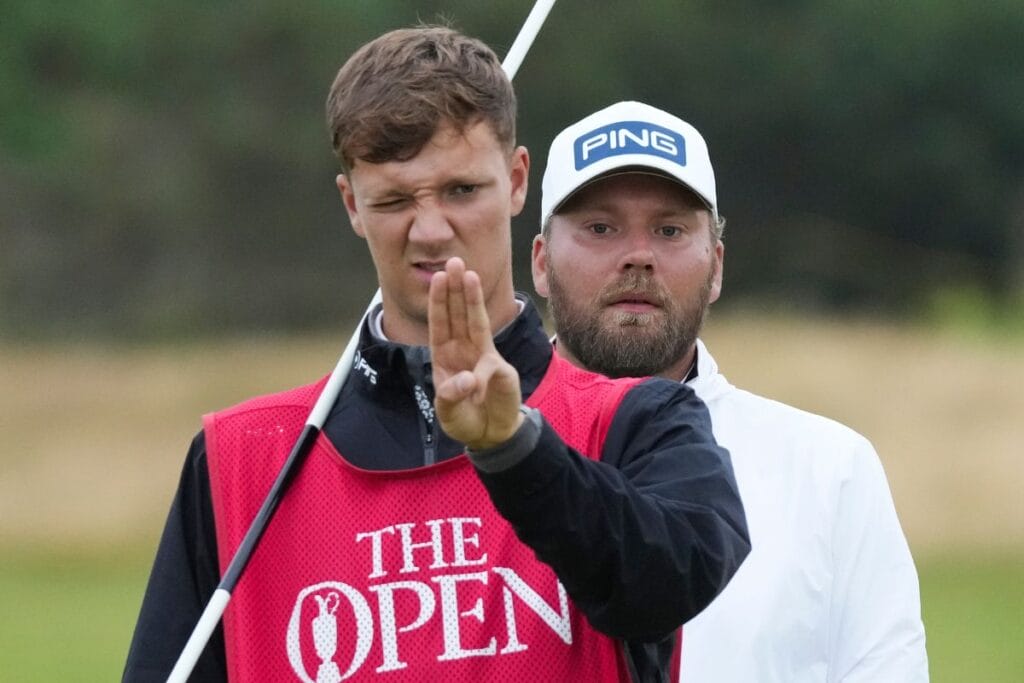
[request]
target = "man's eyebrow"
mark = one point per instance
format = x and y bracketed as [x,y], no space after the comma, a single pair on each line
[469,179]
[391,192]
[680,211]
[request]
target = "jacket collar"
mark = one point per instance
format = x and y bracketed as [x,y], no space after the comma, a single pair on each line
[390,366]
[708,383]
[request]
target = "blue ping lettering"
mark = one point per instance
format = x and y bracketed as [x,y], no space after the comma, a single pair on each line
[628,137]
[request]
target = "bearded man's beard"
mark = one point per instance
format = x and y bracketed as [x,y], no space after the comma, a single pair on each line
[627,344]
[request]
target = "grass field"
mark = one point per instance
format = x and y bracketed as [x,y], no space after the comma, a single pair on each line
[69,618]
[94,438]
[974,618]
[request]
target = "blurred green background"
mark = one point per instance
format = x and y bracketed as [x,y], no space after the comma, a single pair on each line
[171,241]
[165,169]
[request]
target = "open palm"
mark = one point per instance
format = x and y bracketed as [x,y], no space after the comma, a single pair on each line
[477,394]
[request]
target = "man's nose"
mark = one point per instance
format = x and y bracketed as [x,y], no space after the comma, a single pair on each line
[639,252]
[430,225]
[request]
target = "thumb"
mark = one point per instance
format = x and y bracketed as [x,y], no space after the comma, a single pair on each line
[457,388]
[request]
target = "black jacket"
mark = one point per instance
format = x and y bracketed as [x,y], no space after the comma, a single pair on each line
[668,534]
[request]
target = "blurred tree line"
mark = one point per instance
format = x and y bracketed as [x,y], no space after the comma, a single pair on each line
[165,168]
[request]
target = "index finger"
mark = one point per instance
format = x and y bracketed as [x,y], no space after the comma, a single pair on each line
[438,324]
[456,301]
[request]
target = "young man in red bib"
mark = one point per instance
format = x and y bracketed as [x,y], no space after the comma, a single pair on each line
[476,508]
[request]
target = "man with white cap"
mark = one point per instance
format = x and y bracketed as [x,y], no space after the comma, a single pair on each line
[630,257]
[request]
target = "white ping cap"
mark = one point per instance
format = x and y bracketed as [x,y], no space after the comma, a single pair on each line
[626,136]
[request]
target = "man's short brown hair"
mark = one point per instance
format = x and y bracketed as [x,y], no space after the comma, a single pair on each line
[392,95]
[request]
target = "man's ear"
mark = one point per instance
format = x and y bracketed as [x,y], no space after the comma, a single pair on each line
[348,198]
[519,173]
[719,265]
[539,266]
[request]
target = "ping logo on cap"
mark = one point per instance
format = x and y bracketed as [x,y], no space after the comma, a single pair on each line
[628,137]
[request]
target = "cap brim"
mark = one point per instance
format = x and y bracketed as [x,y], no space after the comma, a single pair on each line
[633,170]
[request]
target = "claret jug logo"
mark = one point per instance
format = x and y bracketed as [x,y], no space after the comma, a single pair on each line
[628,137]
[426,594]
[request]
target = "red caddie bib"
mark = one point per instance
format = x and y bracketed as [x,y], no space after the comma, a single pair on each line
[396,575]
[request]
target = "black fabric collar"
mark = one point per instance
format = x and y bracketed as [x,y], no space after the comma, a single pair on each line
[389,366]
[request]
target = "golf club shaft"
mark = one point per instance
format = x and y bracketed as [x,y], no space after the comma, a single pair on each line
[221,597]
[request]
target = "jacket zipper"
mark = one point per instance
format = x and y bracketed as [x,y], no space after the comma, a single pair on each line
[424,405]
[429,451]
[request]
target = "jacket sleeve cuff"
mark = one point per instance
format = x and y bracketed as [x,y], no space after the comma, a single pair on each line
[506,455]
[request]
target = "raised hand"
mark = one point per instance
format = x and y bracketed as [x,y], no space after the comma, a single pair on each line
[477,394]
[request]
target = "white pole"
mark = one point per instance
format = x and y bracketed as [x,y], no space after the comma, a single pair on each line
[529,31]
[200,636]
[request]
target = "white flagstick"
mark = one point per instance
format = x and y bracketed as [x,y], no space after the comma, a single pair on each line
[529,31]
[219,601]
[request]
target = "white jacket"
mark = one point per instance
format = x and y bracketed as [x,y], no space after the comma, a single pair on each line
[829,591]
